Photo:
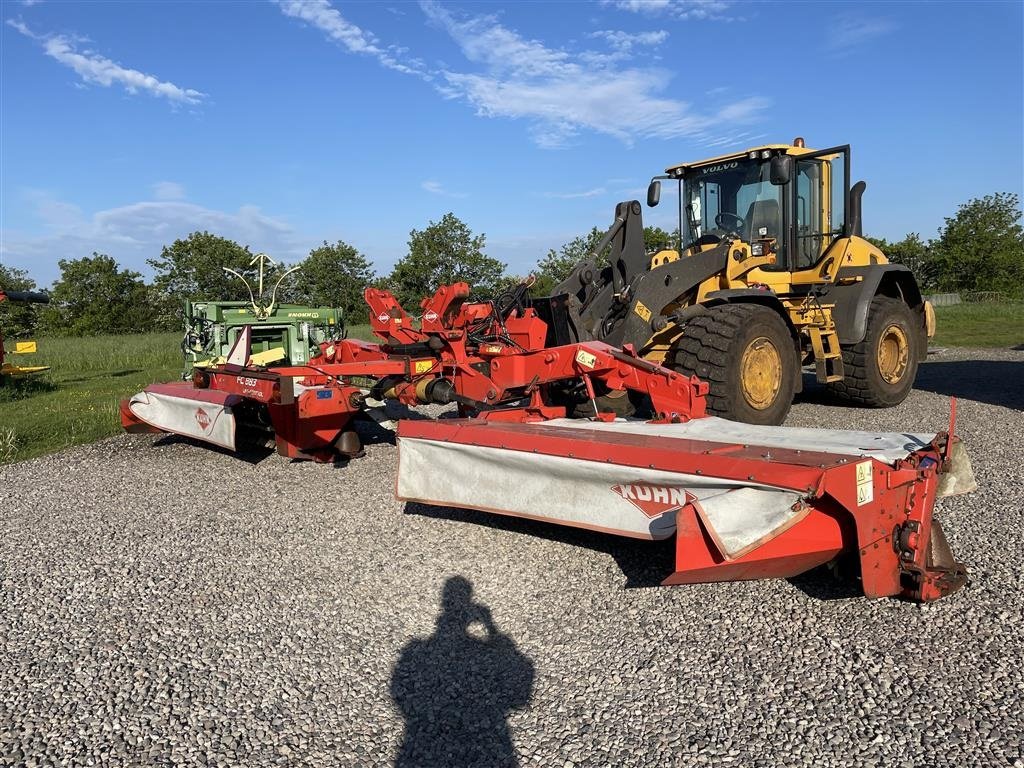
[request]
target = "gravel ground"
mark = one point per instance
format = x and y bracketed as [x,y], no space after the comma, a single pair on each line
[168,604]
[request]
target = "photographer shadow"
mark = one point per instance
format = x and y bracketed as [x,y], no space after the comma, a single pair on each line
[456,688]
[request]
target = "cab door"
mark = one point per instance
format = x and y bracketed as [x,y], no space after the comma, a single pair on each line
[819,198]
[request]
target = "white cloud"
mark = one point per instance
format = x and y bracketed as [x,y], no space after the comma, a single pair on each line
[322,15]
[624,41]
[848,32]
[135,232]
[561,94]
[686,10]
[622,44]
[595,192]
[168,190]
[99,70]
[436,188]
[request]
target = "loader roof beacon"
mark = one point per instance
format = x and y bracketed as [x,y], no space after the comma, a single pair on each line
[771,273]
[742,501]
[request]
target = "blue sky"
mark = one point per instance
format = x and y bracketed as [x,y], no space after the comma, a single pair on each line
[126,125]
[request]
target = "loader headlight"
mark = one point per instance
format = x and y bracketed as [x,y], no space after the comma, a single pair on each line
[757,249]
[752,154]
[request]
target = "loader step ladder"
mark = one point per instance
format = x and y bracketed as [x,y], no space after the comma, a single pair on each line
[828,357]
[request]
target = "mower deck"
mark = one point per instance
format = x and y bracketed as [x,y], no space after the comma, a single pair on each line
[762,502]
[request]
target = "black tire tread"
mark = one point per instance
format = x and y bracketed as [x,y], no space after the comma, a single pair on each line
[855,386]
[704,350]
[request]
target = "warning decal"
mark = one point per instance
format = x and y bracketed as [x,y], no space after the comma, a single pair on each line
[865,484]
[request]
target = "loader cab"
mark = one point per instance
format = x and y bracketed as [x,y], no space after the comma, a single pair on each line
[795,199]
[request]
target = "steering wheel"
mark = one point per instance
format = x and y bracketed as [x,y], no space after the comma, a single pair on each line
[730,222]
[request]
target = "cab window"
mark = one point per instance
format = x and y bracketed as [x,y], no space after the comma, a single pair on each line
[820,207]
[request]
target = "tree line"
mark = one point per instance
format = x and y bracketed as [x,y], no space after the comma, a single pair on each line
[979,248]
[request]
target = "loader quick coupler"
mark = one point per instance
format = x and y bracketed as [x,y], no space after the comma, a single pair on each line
[742,501]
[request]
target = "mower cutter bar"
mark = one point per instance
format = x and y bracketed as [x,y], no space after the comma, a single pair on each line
[738,510]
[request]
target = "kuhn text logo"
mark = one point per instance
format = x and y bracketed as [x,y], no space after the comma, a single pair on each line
[654,500]
[202,419]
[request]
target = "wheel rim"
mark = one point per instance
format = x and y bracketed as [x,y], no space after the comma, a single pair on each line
[893,354]
[761,373]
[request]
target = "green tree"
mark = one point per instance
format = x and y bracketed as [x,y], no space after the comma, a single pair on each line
[335,275]
[556,266]
[981,247]
[94,296]
[445,252]
[913,253]
[193,269]
[657,239]
[17,319]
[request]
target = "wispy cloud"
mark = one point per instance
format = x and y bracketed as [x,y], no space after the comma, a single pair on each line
[168,190]
[848,32]
[436,188]
[137,231]
[99,70]
[325,17]
[695,10]
[622,44]
[560,93]
[624,41]
[595,192]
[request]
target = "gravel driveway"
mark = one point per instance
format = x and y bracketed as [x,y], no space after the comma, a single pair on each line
[163,603]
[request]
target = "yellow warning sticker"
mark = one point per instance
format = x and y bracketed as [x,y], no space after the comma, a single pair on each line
[586,359]
[642,311]
[422,366]
[865,484]
[24,347]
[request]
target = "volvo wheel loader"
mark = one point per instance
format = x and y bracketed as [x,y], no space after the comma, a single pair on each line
[770,273]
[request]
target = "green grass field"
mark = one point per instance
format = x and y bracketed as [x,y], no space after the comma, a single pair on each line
[980,325]
[76,401]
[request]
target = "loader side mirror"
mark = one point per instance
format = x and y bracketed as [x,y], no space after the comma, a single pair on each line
[781,169]
[654,193]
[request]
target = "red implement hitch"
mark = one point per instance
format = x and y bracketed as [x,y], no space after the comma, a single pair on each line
[489,363]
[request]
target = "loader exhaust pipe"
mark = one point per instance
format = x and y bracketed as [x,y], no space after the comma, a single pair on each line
[856,195]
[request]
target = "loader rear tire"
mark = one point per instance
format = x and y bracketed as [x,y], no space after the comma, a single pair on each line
[746,355]
[880,370]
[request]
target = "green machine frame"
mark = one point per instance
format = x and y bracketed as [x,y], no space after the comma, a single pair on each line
[211,328]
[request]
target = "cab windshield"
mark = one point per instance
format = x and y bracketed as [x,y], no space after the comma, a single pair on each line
[734,197]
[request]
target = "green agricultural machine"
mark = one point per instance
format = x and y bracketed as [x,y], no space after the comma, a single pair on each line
[282,334]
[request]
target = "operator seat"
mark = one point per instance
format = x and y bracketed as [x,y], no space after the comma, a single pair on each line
[763,213]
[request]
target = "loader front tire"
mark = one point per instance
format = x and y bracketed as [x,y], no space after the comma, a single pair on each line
[880,370]
[746,355]
[623,404]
